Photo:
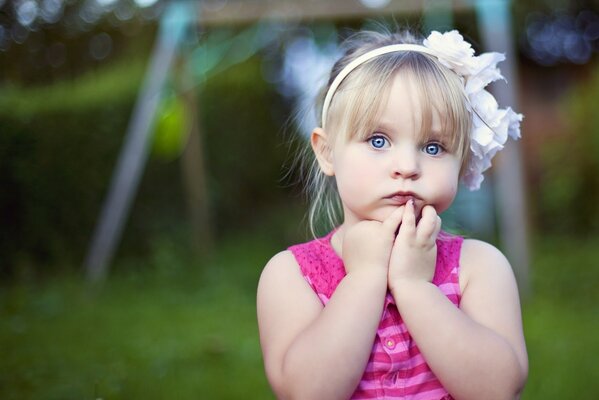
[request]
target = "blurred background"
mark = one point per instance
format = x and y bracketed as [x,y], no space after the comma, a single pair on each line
[146,178]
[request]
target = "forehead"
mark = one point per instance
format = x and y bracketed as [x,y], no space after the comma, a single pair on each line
[405,105]
[409,104]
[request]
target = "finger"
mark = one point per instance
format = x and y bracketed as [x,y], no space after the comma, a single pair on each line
[438,227]
[427,224]
[391,223]
[408,221]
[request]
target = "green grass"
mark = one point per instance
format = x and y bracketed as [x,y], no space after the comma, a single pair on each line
[561,320]
[174,328]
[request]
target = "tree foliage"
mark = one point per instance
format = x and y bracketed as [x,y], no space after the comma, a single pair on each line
[569,182]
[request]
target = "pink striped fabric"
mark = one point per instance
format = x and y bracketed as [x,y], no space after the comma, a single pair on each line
[396,369]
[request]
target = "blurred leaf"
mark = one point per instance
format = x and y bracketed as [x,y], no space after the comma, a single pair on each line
[569,183]
[171,128]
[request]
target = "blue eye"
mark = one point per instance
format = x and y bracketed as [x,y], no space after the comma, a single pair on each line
[433,149]
[378,142]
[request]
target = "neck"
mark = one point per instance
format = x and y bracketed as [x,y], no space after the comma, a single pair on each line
[339,235]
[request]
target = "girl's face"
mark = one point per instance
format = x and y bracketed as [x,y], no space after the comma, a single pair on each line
[393,164]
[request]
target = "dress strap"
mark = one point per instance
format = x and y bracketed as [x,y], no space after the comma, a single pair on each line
[448,256]
[319,264]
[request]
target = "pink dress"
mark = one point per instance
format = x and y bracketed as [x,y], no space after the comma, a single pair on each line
[396,369]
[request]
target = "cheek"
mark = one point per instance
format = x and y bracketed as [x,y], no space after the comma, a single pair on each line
[352,180]
[447,190]
[353,168]
[356,179]
[443,203]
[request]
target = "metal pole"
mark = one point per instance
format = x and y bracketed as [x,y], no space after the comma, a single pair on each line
[134,153]
[495,25]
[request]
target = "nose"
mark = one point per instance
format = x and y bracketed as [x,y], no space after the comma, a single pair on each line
[406,164]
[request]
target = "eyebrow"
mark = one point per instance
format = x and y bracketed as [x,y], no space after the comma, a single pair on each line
[440,132]
[384,126]
[442,135]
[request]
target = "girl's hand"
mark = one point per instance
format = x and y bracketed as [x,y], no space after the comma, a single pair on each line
[414,253]
[368,244]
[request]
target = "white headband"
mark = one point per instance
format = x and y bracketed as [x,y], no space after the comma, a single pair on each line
[491,125]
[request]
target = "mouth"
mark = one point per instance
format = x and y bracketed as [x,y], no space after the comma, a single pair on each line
[401,198]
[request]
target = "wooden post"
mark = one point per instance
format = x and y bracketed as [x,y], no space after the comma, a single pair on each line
[495,25]
[194,180]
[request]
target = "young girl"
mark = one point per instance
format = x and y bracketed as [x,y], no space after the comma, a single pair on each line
[387,305]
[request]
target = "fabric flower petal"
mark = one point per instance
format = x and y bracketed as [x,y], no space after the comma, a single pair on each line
[514,124]
[486,71]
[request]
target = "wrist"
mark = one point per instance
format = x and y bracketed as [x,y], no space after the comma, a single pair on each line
[366,274]
[405,287]
[365,267]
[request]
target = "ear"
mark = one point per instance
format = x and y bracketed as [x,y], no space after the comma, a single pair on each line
[323,151]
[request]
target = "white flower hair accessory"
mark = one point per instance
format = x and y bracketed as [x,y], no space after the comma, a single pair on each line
[491,125]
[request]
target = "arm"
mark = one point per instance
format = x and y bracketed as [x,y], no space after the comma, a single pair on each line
[311,351]
[316,352]
[478,350]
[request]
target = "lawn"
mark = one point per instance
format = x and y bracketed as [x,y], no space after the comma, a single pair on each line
[173,328]
[561,320]
[167,329]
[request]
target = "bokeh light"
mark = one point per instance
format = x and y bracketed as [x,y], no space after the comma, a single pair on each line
[375,3]
[145,3]
[51,10]
[100,46]
[561,37]
[73,16]
[27,11]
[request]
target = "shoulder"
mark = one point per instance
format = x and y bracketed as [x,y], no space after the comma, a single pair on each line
[480,258]
[282,277]
[489,290]
[281,265]
[474,251]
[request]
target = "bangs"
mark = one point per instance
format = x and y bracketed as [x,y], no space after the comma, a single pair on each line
[356,107]
[357,104]
[440,95]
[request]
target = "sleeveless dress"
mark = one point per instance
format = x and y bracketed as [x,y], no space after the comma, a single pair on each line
[396,369]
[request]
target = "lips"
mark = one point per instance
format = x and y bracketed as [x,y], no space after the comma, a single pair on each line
[401,198]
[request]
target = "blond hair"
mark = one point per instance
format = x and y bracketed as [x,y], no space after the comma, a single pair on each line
[356,106]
